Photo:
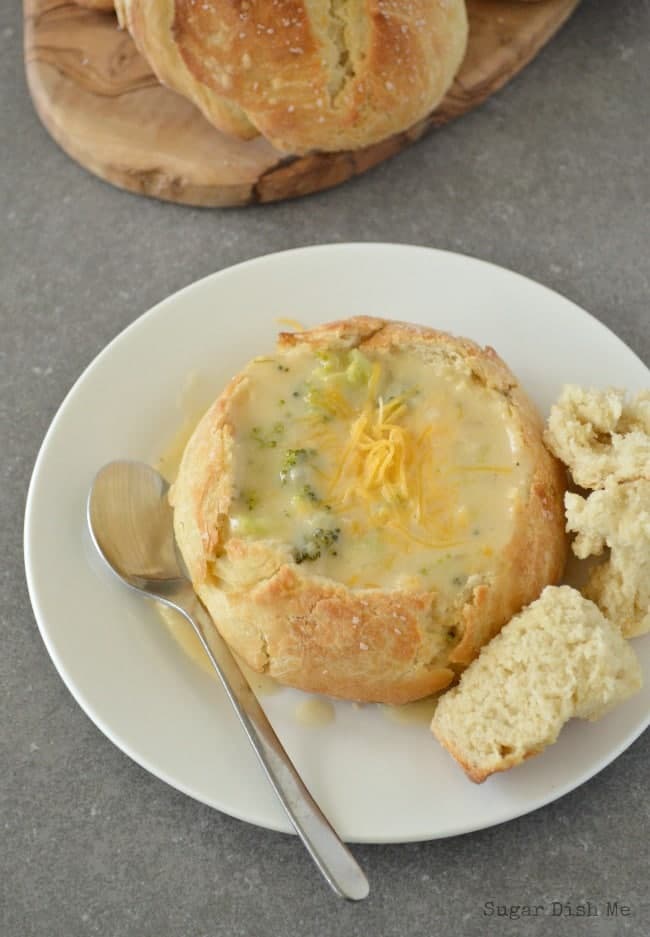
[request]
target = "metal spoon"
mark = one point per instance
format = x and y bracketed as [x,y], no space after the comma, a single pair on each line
[130,522]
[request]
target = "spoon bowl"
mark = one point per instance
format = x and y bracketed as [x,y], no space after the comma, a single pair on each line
[131,523]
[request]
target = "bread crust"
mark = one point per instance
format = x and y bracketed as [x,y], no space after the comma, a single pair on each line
[480,774]
[151,27]
[104,5]
[306,74]
[316,634]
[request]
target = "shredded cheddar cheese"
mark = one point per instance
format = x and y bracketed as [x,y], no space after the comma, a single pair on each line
[292,324]
[383,465]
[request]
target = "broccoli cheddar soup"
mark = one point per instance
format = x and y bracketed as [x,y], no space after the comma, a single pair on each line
[362,510]
[377,470]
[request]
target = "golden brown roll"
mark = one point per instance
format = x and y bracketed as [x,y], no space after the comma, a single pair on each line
[364,509]
[307,74]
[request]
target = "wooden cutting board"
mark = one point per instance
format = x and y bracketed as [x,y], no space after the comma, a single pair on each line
[101,103]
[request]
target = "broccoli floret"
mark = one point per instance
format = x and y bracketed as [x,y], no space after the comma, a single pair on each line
[320,541]
[359,369]
[250,498]
[269,441]
[330,362]
[293,457]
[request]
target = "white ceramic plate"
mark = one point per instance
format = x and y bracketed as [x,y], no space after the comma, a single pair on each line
[378,780]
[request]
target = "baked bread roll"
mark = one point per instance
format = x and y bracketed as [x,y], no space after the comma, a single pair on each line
[616,516]
[558,659]
[362,510]
[307,76]
[600,436]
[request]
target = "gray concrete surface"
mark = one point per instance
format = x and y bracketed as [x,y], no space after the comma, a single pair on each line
[549,178]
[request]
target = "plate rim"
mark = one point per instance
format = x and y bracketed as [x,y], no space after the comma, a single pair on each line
[503,815]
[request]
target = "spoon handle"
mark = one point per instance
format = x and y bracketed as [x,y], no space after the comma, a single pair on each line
[323,844]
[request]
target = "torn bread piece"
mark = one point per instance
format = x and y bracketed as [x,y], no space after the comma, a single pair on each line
[557,659]
[600,436]
[618,517]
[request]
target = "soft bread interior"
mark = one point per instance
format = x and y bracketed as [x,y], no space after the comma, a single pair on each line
[560,658]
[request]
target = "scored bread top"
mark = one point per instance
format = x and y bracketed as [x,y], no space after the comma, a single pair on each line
[152,27]
[307,75]
[361,511]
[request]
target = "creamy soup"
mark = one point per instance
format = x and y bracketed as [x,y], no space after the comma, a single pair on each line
[378,471]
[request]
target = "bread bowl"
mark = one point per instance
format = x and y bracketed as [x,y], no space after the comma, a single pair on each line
[361,511]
